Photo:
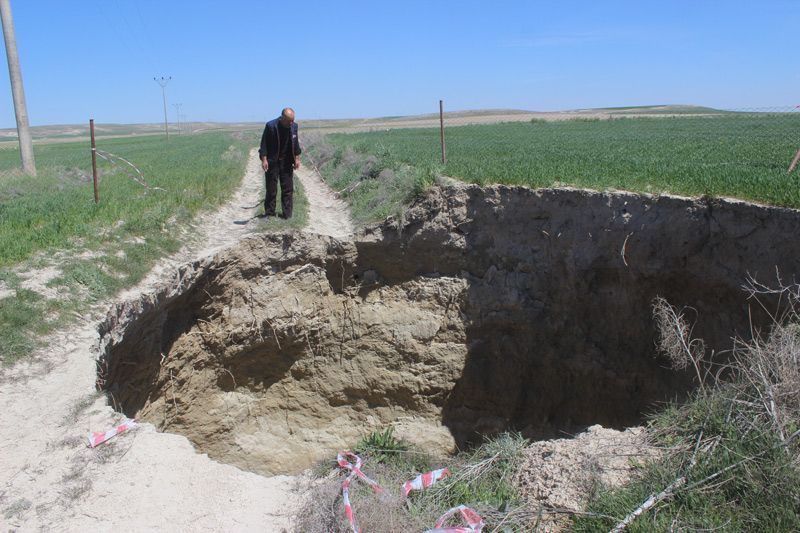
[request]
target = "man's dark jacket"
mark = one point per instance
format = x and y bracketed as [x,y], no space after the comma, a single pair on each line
[271,141]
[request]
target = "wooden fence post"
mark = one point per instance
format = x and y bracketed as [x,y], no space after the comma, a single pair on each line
[94,162]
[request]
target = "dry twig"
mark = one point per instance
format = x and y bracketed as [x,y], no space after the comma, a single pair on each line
[675,339]
[112,158]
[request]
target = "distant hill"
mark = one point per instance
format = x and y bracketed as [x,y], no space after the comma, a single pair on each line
[65,132]
[660,110]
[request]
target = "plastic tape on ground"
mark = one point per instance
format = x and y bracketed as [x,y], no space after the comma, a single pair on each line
[99,437]
[423,481]
[355,471]
[473,521]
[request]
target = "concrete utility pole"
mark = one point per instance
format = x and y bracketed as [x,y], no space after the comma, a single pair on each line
[163,82]
[17,91]
[178,115]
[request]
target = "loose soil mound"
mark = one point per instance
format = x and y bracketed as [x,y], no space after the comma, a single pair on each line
[559,475]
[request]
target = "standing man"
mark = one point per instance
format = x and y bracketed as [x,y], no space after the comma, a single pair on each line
[280,156]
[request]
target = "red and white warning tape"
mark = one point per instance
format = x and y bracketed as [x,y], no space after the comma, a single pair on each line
[474,523]
[355,471]
[99,437]
[421,482]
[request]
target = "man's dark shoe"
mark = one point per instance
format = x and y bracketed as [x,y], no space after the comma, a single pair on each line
[285,216]
[265,215]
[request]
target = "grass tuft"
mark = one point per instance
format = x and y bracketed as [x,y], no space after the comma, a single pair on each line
[17,508]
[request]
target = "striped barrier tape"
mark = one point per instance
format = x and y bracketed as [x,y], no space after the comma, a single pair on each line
[355,471]
[473,520]
[421,482]
[99,437]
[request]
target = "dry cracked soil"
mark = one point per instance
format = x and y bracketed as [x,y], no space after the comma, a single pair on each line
[249,356]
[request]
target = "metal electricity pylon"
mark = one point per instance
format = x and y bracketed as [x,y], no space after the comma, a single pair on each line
[163,81]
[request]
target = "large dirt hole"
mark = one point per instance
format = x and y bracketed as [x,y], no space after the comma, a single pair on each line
[487,309]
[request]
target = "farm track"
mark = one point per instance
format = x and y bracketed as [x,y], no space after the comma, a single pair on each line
[49,479]
[327,214]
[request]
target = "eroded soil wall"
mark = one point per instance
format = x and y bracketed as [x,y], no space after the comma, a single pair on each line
[485,309]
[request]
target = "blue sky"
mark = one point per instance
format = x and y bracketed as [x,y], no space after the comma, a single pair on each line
[244,60]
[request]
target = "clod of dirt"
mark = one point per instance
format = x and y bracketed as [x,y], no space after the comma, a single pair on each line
[559,475]
[487,309]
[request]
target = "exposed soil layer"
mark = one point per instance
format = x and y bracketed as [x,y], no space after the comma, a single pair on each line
[485,309]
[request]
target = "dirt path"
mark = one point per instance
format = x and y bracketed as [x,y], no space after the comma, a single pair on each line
[213,231]
[327,214]
[142,479]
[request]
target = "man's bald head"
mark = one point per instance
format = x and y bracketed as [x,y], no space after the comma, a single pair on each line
[287,115]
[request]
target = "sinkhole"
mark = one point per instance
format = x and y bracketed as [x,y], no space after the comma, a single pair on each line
[482,310]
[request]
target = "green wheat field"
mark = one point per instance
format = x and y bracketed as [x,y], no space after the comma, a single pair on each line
[742,155]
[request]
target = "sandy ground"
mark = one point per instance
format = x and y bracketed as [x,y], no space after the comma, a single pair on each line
[142,479]
[328,215]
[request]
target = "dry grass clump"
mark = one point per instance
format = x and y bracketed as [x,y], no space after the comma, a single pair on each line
[675,339]
[17,508]
[769,369]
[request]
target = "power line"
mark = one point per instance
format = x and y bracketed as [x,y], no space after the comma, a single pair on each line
[128,38]
[149,38]
[138,39]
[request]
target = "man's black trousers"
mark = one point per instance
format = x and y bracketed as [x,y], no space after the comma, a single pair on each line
[282,171]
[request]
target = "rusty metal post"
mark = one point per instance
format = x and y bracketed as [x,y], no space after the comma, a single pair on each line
[94,162]
[441,130]
[794,162]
